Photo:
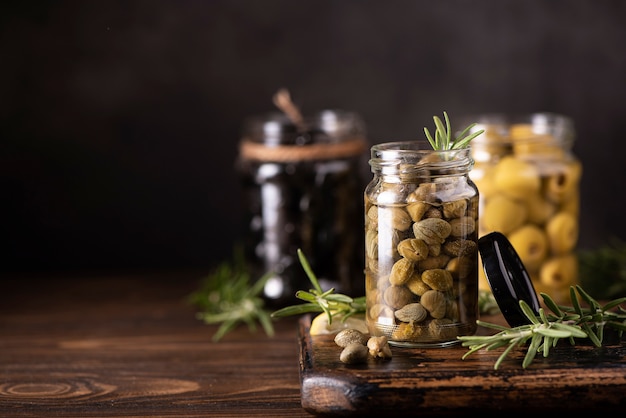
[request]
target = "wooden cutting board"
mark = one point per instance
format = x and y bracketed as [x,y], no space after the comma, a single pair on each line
[437,381]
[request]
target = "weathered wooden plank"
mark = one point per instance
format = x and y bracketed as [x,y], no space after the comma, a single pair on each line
[438,381]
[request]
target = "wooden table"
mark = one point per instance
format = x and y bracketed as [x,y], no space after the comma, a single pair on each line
[130,345]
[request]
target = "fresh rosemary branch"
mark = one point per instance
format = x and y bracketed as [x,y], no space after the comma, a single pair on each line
[226,297]
[544,331]
[443,139]
[318,300]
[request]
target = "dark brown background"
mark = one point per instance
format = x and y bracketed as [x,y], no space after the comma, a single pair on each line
[119,120]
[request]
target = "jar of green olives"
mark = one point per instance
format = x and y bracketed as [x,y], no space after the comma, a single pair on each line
[301,183]
[421,250]
[529,183]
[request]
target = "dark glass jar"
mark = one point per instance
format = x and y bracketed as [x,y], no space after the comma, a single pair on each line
[302,189]
[421,245]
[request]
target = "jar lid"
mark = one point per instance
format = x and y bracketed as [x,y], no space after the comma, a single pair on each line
[507,277]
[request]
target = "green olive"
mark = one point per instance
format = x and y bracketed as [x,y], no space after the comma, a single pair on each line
[559,272]
[503,214]
[517,178]
[531,244]
[539,209]
[563,183]
[562,232]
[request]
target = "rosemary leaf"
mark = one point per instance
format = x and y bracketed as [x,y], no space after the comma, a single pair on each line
[575,302]
[442,140]
[227,297]
[553,333]
[614,303]
[490,325]
[587,298]
[464,141]
[551,304]
[338,297]
[307,296]
[548,343]
[296,310]
[266,322]
[592,335]
[444,134]
[309,272]
[543,316]
[502,356]
[572,330]
[448,129]
[224,329]
[327,301]
[529,312]
[430,139]
[532,350]
[546,330]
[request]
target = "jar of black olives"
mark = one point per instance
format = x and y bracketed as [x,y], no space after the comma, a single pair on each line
[302,185]
[421,245]
[529,181]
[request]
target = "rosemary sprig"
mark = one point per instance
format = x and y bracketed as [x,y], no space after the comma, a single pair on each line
[544,331]
[443,140]
[226,297]
[319,300]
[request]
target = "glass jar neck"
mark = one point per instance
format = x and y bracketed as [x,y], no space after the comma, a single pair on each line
[408,161]
[327,135]
[325,127]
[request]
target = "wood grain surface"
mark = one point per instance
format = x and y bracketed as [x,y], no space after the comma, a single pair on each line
[438,382]
[131,346]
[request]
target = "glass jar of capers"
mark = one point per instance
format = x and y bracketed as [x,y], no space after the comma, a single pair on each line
[529,183]
[421,268]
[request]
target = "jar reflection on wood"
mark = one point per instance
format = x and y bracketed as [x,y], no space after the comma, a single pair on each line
[302,190]
[529,183]
[421,250]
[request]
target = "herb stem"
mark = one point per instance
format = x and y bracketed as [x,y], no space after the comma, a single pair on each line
[544,331]
[442,140]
